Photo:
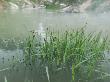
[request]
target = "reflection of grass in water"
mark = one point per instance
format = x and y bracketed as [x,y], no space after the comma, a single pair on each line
[72,49]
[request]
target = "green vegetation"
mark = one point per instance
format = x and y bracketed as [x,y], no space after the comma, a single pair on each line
[52,6]
[55,4]
[74,50]
[96,5]
[69,2]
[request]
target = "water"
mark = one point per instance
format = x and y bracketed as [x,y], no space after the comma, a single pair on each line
[17,24]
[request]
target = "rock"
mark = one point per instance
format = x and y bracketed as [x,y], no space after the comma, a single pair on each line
[1,7]
[76,10]
[41,6]
[85,6]
[70,9]
[13,6]
[63,5]
[27,2]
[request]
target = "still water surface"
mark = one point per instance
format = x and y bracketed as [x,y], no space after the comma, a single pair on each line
[17,23]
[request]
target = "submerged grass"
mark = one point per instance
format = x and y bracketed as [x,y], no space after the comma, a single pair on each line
[75,50]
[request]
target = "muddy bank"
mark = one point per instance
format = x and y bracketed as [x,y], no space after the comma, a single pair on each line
[4,4]
[1,4]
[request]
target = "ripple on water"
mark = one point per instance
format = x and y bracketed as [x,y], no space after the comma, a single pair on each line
[7,57]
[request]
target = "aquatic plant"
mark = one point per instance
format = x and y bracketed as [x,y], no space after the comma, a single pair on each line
[76,50]
[32,47]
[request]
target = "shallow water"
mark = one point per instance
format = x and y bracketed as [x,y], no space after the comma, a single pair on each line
[17,24]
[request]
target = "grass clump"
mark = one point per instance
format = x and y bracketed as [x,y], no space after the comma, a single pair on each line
[51,6]
[75,50]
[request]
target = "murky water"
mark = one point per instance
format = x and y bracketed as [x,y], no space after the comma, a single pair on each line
[17,24]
